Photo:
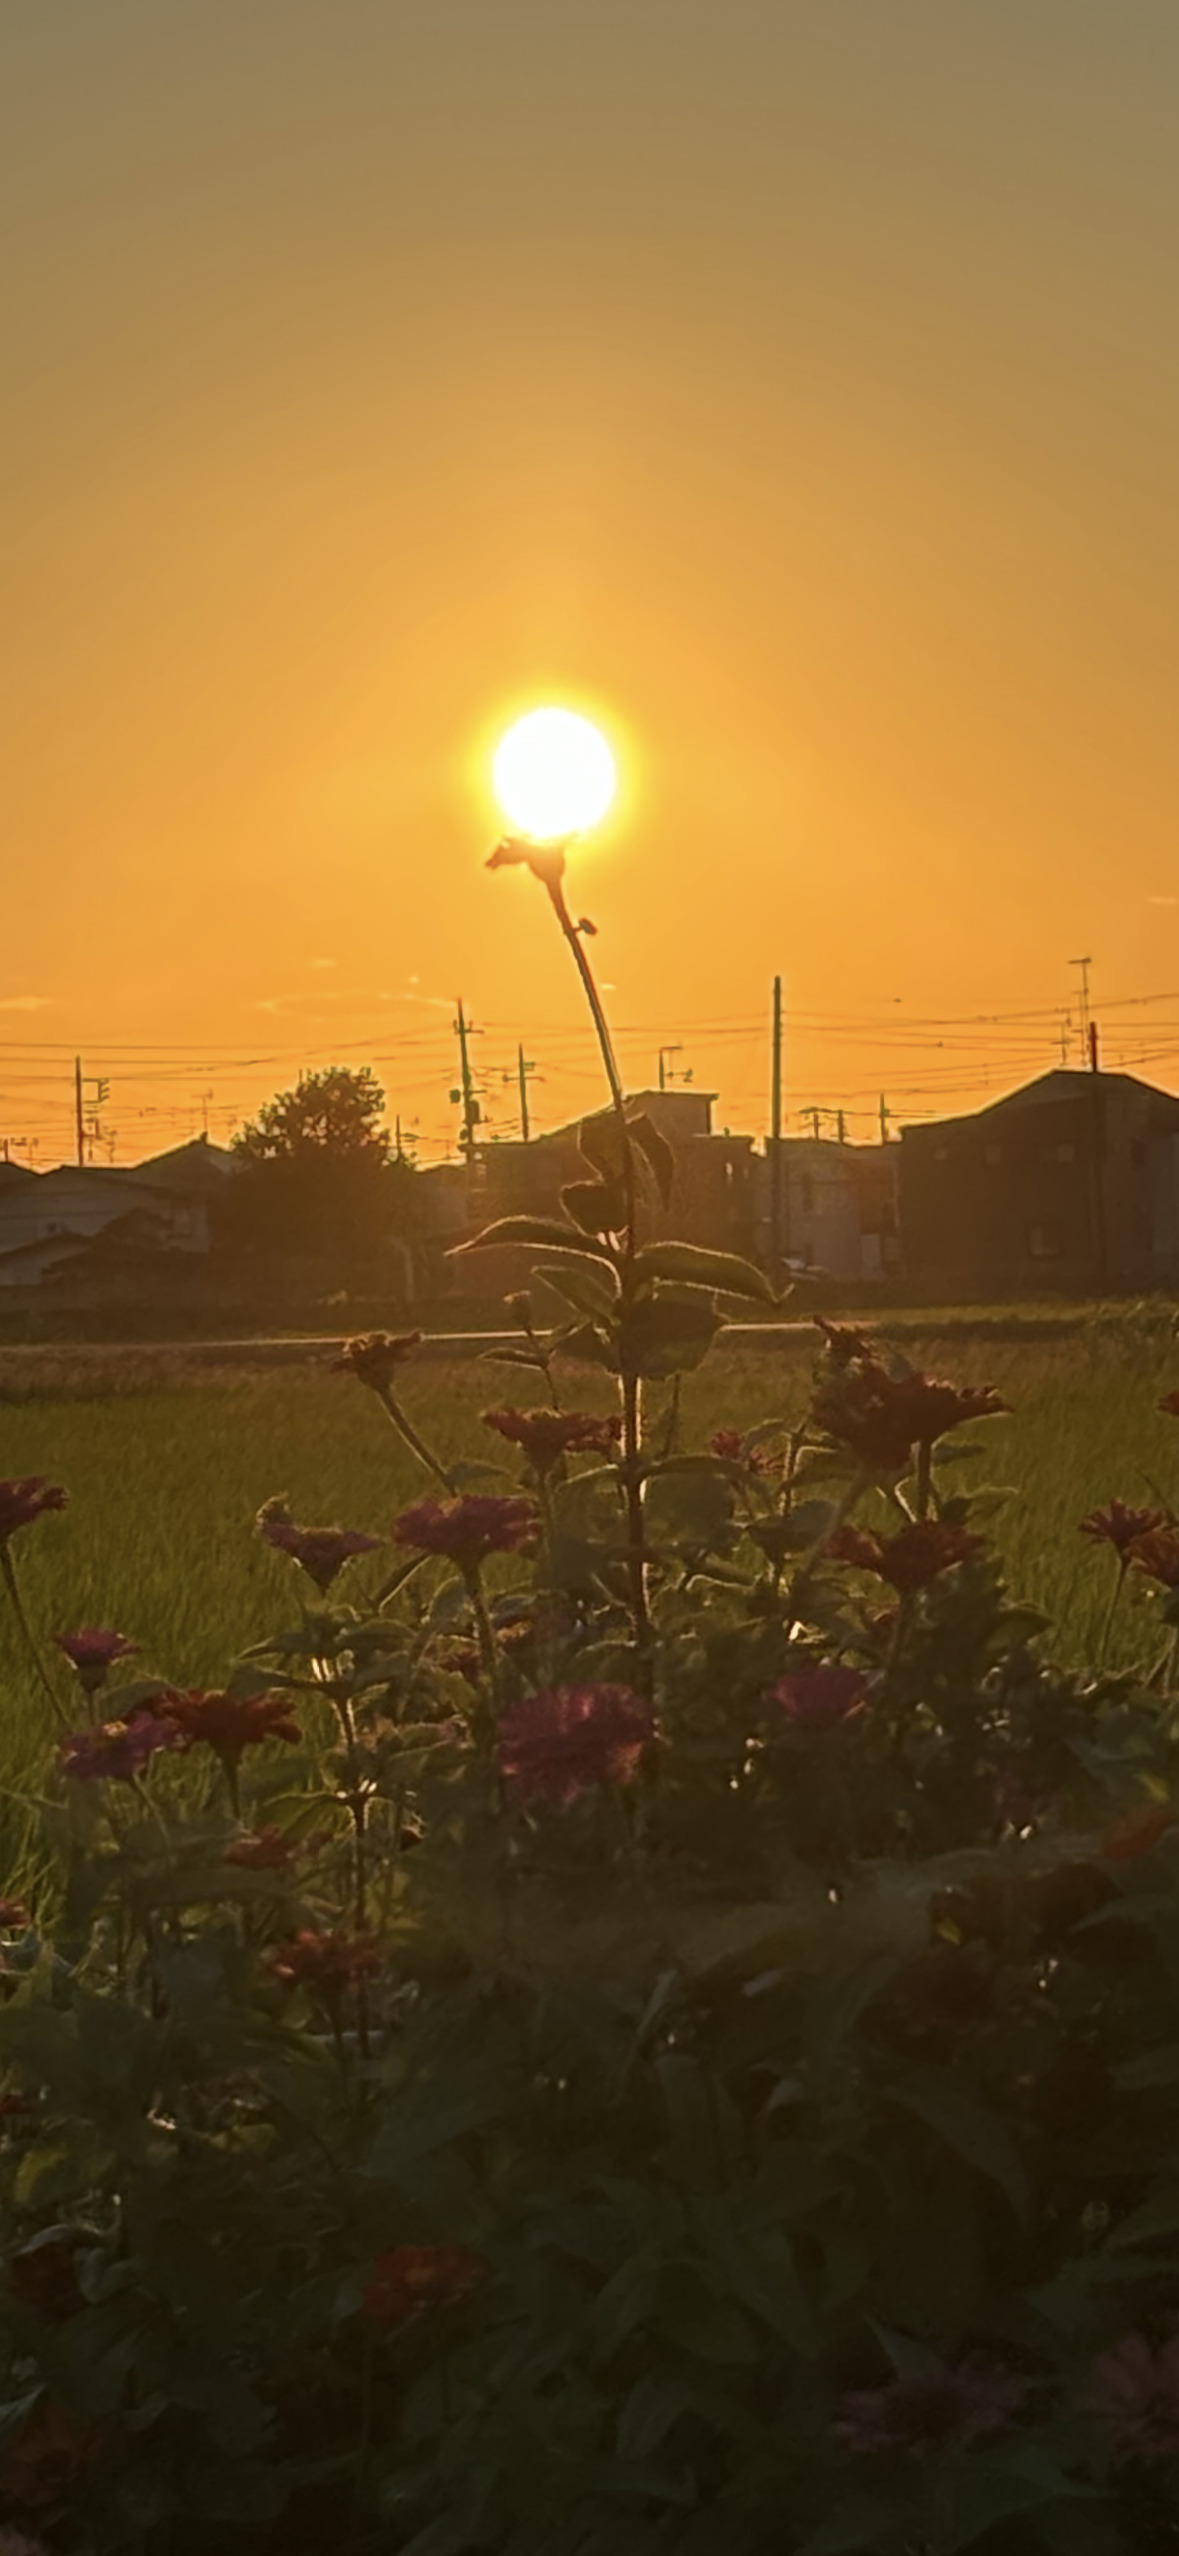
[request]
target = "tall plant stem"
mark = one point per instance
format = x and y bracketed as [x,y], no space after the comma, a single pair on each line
[486,1634]
[631,1388]
[358,1813]
[30,1640]
[417,1445]
[1110,1613]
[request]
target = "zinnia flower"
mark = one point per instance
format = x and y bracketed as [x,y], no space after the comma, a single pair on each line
[1136,2393]
[464,1531]
[1121,1527]
[559,1744]
[325,1964]
[23,1502]
[910,1559]
[1170,1403]
[937,2409]
[729,1446]
[320,1551]
[13,1912]
[228,1724]
[117,1751]
[375,1356]
[413,2277]
[93,1652]
[1157,1553]
[882,1417]
[545,1436]
[1139,1832]
[820,1696]
[843,1342]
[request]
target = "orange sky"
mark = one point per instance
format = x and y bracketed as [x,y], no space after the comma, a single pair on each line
[795,381]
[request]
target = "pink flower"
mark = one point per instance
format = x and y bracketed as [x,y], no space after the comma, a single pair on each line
[23,1502]
[413,2277]
[93,1653]
[374,1357]
[117,1750]
[320,1551]
[559,1744]
[1121,1527]
[1136,2392]
[545,1436]
[464,1531]
[728,1445]
[820,1695]
[910,1559]
[939,2409]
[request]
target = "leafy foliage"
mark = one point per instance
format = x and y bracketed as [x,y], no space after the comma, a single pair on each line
[586,2086]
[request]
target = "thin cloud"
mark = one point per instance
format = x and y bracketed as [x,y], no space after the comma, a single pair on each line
[25,1002]
[1162,900]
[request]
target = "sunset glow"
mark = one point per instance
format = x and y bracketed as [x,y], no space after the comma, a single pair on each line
[554,775]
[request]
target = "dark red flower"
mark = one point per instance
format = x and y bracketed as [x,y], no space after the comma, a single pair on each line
[47,2455]
[729,1445]
[325,1964]
[42,2274]
[937,2409]
[93,1652]
[1121,1527]
[910,1559]
[843,1342]
[882,1417]
[1157,1554]
[1170,1403]
[1139,1832]
[13,1912]
[117,1751]
[545,1436]
[375,1356]
[821,1695]
[23,1502]
[1136,2393]
[320,1551]
[227,1724]
[466,1530]
[561,1743]
[268,1851]
[413,2277]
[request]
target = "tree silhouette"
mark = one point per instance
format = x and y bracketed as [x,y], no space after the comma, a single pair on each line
[317,1181]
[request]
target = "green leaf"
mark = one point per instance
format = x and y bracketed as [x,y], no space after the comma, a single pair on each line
[661,1337]
[584,1290]
[1150,2068]
[859,2523]
[975,2134]
[656,1152]
[534,1233]
[693,1266]
[601,1144]
[596,1206]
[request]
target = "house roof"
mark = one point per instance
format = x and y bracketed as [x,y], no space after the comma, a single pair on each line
[1061,1083]
[196,1165]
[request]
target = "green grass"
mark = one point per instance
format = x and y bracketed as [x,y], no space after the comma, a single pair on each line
[166,1464]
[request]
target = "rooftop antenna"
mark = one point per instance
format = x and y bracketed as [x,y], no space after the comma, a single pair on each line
[1084,964]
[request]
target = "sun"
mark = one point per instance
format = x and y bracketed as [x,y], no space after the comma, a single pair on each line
[554,775]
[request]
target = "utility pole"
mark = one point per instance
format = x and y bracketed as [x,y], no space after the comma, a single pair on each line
[814,1116]
[524,1067]
[666,1074]
[79,1120]
[466,1090]
[776,1241]
[1093,1064]
[841,1126]
[883,1120]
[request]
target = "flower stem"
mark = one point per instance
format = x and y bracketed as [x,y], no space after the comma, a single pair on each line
[1110,1613]
[410,1438]
[486,1634]
[18,1608]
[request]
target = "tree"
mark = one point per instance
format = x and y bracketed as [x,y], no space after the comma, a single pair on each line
[316,1181]
[336,1111]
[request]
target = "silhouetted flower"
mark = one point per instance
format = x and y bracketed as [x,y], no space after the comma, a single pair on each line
[466,1530]
[117,1751]
[1157,1554]
[882,1417]
[267,1851]
[1121,1527]
[936,2409]
[42,2273]
[821,1695]
[1170,1403]
[374,1357]
[93,1652]
[730,1447]
[46,2456]
[325,1964]
[413,2277]
[320,1551]
[559,1744]
[1139,1832]
[228,1724]
[910,1559]
[545,1436]
[23,1502]
[1136,2393]
[844,1342]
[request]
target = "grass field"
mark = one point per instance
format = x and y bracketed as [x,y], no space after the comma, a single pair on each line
[166,1463]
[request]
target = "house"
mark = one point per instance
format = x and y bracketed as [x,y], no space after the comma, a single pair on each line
[161,1206]
[1070,1182]
[838,1207]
